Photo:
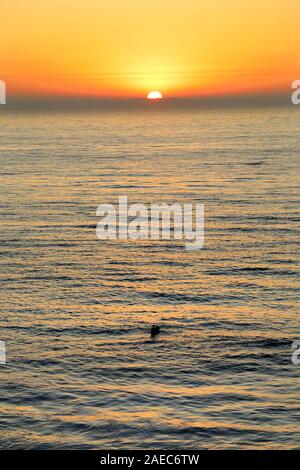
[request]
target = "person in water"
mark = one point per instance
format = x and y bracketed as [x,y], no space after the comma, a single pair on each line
[154,330]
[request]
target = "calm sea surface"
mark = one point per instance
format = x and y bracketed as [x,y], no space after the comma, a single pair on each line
[82,371]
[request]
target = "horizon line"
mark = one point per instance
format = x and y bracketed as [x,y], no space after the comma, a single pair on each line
[94,102]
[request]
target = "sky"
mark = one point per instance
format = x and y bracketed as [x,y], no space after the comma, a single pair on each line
[126,48]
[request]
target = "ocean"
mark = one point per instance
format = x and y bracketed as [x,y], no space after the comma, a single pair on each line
[82,371]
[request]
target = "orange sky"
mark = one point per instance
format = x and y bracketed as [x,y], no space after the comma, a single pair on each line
[129,47]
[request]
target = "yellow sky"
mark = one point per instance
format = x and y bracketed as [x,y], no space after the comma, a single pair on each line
[129,47]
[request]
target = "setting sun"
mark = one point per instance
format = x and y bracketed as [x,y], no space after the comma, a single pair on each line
[184,51]
[154,95]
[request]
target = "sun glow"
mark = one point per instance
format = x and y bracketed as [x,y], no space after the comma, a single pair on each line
[48,50]
[154,95]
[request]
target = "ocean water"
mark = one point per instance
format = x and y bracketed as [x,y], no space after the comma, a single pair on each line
[82,371]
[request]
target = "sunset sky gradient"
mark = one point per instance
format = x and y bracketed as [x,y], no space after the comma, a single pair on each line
[125,48]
